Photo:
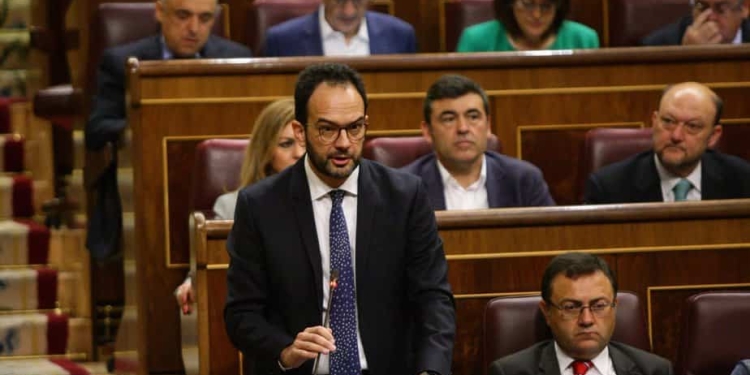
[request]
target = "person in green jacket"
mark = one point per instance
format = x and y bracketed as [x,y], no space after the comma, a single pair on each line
[528,25]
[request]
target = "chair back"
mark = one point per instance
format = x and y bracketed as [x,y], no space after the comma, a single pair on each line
[632,20]
[456,15]
[397,152]
[514,323]
[715,332]
[217,170]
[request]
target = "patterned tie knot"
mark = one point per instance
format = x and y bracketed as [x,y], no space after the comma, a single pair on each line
[581,367]
[337,196]
[681,190]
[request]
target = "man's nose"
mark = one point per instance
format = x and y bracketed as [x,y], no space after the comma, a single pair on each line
[348,9]
[343,141]
[586,318]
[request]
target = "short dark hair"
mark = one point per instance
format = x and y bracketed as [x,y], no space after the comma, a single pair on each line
[573,265]
[452,86]
[330,73]
[504,13]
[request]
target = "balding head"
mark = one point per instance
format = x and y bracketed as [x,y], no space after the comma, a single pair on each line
[185,24]
[686,124]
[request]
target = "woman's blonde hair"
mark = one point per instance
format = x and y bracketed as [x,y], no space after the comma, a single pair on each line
[263,142]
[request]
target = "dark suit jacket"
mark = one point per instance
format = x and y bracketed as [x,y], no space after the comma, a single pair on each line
[636,180]
[671,35]
[405,306]
[540,359]
[510,182]
[107,121]
[301,36]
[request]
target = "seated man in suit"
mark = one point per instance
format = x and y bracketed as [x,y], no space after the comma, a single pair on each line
[461,173]
[681,165]
[711,22]
[185,33]
[579,305]
[335,216]
[341,28]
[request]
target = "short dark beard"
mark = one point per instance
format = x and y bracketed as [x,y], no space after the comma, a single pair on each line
[321,164]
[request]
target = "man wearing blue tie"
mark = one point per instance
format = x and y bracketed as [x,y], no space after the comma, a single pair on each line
[333,213]
[682,164]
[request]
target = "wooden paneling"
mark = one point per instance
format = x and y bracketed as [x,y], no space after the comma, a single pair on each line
[175,103]
[661,251]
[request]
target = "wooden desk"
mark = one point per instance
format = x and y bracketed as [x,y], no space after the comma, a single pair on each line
[542,105]
[662,251]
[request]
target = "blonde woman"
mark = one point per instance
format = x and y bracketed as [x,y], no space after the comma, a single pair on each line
[272,148]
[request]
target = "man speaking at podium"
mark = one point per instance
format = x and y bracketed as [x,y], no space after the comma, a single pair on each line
[333,213]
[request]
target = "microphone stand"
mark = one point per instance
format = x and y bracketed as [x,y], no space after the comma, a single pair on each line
[332,284]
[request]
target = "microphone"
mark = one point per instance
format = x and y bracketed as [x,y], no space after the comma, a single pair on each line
[333,283]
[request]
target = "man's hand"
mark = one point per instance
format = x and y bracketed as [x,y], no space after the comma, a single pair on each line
[702,31]
[306,346]
[185,296]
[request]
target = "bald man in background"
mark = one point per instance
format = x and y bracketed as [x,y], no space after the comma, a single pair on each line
[185,33]
[682,165]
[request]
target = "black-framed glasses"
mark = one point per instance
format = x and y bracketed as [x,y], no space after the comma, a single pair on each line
[330,133]
[530,6]
[572,310]
[355,2]
[720,8]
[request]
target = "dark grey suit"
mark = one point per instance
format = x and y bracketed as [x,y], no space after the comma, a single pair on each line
[636,180]
[540,359]
[106,123]
[510,182]
[405,306]
[671,35]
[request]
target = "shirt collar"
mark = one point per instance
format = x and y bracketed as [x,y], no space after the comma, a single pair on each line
[601,361]
[671,180]
[319,189]
[326,31]
[738,36]
[166,53]
[448,179]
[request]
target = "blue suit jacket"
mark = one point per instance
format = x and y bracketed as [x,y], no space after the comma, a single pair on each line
[510,182]
[301,36]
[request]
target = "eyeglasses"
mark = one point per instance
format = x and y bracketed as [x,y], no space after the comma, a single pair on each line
[530,6]
[471,118]
[721,8]
[572,310]
[329,133]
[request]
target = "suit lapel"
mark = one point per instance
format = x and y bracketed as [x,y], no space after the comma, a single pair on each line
[367,199]
[377,44]
[548,361]
[713,185]
[497,196]
[313,43]
[300,193]
[623,365]
[154,50]
[648,184]
[435,188]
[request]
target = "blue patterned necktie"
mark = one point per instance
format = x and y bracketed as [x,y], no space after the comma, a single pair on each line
[681,190]
[345,360]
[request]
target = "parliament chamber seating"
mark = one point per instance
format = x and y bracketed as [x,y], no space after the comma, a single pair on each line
[263,14]
[632,20]
[397,152]
[217,170]
[715,333]
[515,323]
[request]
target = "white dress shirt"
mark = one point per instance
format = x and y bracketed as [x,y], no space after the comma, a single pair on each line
[321,204]
[473,197]
[225,204]
[602,363]
[668,181]
[334,42]
[738,36]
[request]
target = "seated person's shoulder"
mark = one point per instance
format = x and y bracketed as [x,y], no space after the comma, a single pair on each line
[668,35]
[393,23]
[288,27]
[511,165]
[523,362]
[649,363]
[579,35]
[230,48]
[480,37]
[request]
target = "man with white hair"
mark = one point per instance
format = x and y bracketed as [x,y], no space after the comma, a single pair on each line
[710,22]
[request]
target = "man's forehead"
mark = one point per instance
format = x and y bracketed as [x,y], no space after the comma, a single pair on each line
[469,100]
[193,5]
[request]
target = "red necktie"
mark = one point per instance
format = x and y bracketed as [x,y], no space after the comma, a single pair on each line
[581,367]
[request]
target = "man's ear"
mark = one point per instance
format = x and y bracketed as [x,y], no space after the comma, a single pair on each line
[426,132]
[159,11]
[489,125]
[299,131]
[716,132]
